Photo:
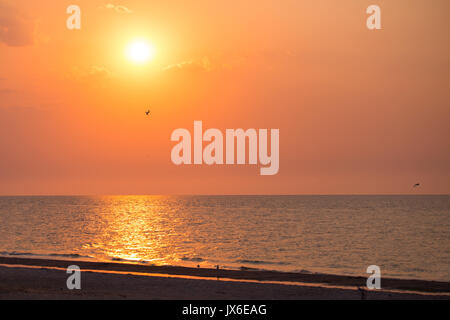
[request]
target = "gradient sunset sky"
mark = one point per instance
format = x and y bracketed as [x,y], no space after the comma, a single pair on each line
[359,111]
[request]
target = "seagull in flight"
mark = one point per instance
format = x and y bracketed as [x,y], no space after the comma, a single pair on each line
[416,185]
[147,112]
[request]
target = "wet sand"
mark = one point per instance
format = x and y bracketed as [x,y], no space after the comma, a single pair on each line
[22,278]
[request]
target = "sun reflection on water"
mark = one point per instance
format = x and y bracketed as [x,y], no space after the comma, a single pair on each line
[328,234]
[133,230]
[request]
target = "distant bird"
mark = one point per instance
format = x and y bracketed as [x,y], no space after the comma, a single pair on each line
[147,112]
[416,185]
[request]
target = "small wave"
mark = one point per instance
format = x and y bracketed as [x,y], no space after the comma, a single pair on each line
[43,255]
[304,271]
[126,259]
[130,260]
[279,263]
[198,259]
[14,253]
[249,269]
[117,259]
[69,255]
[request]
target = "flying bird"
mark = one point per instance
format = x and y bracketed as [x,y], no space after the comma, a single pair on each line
[147,112]
[416,185]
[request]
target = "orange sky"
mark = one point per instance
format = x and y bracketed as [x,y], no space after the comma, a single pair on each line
[359,111]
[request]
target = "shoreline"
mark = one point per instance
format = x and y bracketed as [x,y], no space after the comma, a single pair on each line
[257,277]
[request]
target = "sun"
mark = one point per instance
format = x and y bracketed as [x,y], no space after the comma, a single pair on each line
[140,51]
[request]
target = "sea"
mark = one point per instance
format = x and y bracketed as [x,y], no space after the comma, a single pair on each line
[406,236]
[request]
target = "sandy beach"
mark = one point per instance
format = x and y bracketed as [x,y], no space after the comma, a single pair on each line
[23,278]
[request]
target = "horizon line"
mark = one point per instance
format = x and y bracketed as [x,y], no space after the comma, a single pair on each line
[226,194]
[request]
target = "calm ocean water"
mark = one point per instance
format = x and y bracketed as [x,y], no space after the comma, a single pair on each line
[407,236]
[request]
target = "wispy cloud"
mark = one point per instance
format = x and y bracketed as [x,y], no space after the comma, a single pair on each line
[202,65]
[116,8]
[94,73]
[16,28]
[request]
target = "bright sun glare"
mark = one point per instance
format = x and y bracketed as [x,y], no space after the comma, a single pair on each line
[140,51]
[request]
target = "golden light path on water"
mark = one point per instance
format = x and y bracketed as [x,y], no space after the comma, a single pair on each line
[135,231]
[407,236]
